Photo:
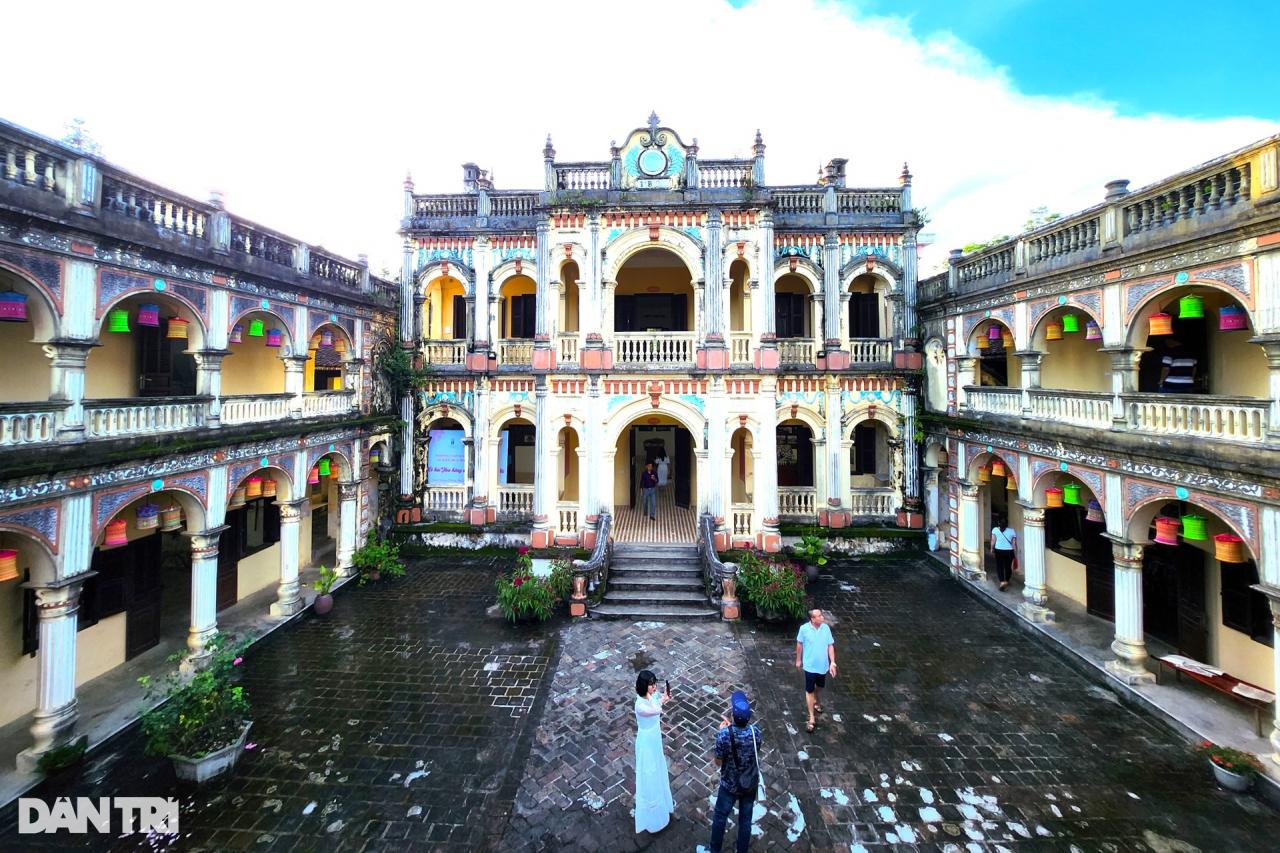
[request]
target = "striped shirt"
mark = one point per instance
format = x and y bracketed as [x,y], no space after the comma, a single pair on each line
[1182,370]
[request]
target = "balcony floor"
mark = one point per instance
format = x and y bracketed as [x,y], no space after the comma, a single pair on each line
[675,525]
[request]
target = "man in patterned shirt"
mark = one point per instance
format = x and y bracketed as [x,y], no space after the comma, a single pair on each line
[736,749]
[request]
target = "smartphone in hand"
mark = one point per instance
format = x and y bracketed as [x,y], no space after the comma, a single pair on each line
[668,688]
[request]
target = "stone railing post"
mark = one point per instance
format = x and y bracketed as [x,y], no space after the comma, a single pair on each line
[209,383]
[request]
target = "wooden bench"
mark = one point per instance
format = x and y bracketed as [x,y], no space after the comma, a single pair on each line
[1223,683]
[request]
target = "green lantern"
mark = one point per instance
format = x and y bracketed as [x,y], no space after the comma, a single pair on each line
[324,467]
[1071,493]
[1190,307]
[1194,529]
[257,328]
[1070,323]
[118,320]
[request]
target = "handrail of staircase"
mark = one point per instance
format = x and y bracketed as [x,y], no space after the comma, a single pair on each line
[714,572]
[594,571]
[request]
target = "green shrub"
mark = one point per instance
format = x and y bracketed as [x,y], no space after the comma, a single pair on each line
[378,555]
[200,715]
[64,756]
[810,550]
[522,595]
[772,584]
[328,577]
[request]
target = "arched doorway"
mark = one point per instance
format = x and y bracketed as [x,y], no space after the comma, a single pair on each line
[146,344]
[514,467]
[650,440]
[28,322]
[444,469]
[742,486]
[796,321]
[1078,560]
[740,309]
[324,503]
[797,486]
[568,463]
[654,310]
[517,320]
[249,549]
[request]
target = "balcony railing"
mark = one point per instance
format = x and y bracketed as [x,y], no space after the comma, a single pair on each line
[451,499]
[567,517]
[740,347]
[1229,418]
[582,176]
[1082,408]
[111,418]
[742,525]
[798,501]
[797,351]
[872,503]
[724,174]
[568,348]
[515,351]
[515,500]
[320,403]
[28,423]
[442,353]
[996,400]
[870,350]
[656,349]
[253,408]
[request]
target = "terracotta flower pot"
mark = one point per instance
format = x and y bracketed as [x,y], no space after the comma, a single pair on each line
[323,604]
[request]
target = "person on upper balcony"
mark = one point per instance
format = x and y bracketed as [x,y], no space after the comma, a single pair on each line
[1177,368]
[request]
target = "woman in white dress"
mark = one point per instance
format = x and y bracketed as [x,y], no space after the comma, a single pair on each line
[664,470]
[653,787]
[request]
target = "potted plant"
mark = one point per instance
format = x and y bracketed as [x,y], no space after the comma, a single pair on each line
[376,558]
[64,762]
[522,595]
[810,552]
[324,601]
[774,587]
[203,722]
[1234,769]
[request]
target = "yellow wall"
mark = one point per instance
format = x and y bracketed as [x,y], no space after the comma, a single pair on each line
[569,466]
[1064,576]
[1075,364]
[438,309]
[258,571]
[633,280]
[883,459]
[26,374]
[520,285]
[569,302]
[304,536]
[111,369]
[739,298]
[1236,367]
[742,461]
[253,367]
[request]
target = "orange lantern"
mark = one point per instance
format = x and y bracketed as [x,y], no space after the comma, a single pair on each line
[997,468]
[8,564]
[117,534]
[1167,530]
[1011,485]
[1160,324]
[1053,498]
[253,488]
[268,488]
[1228,548]
[1053,331]
[984,474]
[177,329]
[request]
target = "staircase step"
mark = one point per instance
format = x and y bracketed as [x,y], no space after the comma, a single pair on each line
[644,550]
[655,612]
[629,572]
[631,582]
[654,596]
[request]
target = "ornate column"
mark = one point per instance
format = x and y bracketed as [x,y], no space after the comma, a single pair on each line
[767,355]
[911,337]
[544,471]
[914,514]
[834,461]
[67,379]
[766,474]
[1030,376]
[717,459]
[593,500]
[1124,379]
[408,297]
[713,354]
[1269,574]
[348,499]
[408,455]
[481,339]
[56,705]
[1034,592]
[351,370]
[544,354]
[209,382]
[832,344]
[964,376]
[288,594]
[1130,642]
[1271,344]
[294,365]
[970,542]
[204,591]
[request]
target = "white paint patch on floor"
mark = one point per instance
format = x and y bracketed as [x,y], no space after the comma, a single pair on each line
[926,796]
[841,798]
[797,824]
[417,774]
[886,814]
[802,755]
[906,834]
[1019,828]
[944,737]
[929,814]
[869,796]
[969,812]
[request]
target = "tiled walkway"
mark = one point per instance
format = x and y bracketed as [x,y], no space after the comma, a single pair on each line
[674,525]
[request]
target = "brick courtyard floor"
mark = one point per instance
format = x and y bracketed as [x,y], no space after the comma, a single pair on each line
[408,721]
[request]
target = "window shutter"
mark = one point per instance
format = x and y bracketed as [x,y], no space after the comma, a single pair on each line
[459,317]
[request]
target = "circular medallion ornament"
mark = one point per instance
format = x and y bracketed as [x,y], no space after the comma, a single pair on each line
[1181,493]
[159,284]
[652,162]
[1181,277]
[157,485]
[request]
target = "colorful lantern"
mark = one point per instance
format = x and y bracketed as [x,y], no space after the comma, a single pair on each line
[375,455]
[256,328]
[118,320]
[177,329]
[1094,513]
[1228,548]
[253,487]
[269,488]
[1053,331]
[313,477]
[326,339]
[1190,307]
[324,467]
[993,332]
[148,517]
[149,315]
[1053,497]
[237,498]
[984,473]
[171,518]
[237,333]
[983,343]
[997,468]
[942,457]
[1193,528]
[1160,324]
[1006,339]
[1071,494]
[1092,331]
[339,345]
[274,337]
[1010,485]
[1167,530]
[117,534]
[1231,318]
[1070,322]
[8,564]
[13,307]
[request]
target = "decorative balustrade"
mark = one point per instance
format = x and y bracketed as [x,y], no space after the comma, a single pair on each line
[567,518]
[990,264]
[1230,418]
[147,203]
[582,176]
[724,174]
[742,524]
[932,289]
[450,499]
[442,353]
[870,350]
[714,572]
[512,204]
[797,351]
[261,244]
[33,165]
[515,351]
[798,501]
[112,418]
[383,291]
[515,500]
[797,201]
[1061,242]
[444,206]
[320,403]
[567,352]
[337,270]
[1196,196]
[995,400]
[740,347]
[869,503]
[28,423]
[655,349]
[1082,408]
[864,201]
[254,408]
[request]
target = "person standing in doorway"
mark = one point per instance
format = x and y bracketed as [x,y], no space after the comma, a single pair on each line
[664,469]
[737,755]
[815,657]
[1177,368]
[1003,542]
[653,784]
[649,492]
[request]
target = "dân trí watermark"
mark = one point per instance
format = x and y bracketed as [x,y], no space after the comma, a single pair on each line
[81,814]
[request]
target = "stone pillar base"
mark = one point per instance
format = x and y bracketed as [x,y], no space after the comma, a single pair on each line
[769,542]
[565,540]
[544,359]
[836,359]
[286,607]
[593,358]
[713,358]
[1035,612]
[910,520]
[540,538]
[834,518]
[49,730]
[578,608]
[1129,673]
[412,515]
[722,540]
[767,359]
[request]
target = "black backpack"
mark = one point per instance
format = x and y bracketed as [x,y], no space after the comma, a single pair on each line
[746,780]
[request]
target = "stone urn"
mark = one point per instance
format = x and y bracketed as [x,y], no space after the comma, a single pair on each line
[212,765]
[323,604]
[730,586]
[1237,782]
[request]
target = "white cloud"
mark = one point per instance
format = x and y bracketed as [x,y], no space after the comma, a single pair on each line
[307,116]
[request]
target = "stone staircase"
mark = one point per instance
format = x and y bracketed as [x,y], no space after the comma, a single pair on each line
[658,582]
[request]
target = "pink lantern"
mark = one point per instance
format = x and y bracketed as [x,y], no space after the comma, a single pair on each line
[13,306]
[326,338]
[237,333]
[1167,530]
[149,315]
[1232,318]
[274,337]
[993,332]
[1092,332]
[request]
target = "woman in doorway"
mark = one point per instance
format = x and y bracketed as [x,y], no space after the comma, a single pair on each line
[653,787]
[664,469]
[1003,542]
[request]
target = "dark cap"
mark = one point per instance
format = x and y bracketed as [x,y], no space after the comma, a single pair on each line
[741,707]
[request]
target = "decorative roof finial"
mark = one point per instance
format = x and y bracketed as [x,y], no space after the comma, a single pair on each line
[653,123]
[408,180]
[905,177]
[758,147]
[548,153]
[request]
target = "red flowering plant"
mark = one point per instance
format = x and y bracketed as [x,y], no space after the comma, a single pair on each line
[524,595]
[775,585]
[1232,760]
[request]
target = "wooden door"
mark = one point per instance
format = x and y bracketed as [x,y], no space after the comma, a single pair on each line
[1099,572]
[1193,627]
[864,315]
[684,468]
[633,487]
[229,559]
[142,595]
[459,318]
[155,361]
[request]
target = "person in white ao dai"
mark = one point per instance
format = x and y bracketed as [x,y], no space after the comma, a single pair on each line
[653,786]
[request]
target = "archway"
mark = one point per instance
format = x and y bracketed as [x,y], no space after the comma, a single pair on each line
[570,307]
[935,360]
[991,341]
[1069,339]
[517,319]
[249,549]
[869,313]
[654,310]
[795,319]
[19,642]
[259,342]
[514,465]
[27,320]
[742,484]
[445,468]
[444,310]
[146,341]
[935,462]
[323,507]
[1078,561]
[871,473]
[328,350]
[996,478]
[648,440]
[797,485]
[568,451]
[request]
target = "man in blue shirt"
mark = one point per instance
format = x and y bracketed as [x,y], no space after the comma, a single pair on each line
[815,656]
[736,756]
[649,492]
